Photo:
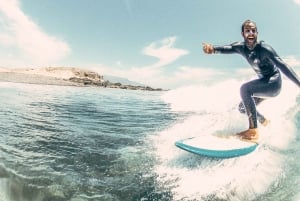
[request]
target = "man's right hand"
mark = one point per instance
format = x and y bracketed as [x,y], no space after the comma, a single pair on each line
[208,48]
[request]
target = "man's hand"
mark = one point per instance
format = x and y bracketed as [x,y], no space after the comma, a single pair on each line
[208,48]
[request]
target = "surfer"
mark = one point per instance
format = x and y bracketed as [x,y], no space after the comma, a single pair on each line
[266,63]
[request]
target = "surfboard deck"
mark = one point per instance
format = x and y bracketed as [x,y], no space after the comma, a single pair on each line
[218,147]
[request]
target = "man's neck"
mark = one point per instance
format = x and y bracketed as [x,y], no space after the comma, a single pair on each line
[251,47]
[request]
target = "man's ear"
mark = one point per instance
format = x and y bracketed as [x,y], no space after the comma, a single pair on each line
[242,33]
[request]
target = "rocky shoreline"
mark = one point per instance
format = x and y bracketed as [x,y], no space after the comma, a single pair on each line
[64,76]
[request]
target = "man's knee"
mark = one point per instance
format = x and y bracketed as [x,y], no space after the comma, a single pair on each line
[242,108]
[244,90]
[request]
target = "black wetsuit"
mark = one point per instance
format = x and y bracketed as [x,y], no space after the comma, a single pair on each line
[265,62]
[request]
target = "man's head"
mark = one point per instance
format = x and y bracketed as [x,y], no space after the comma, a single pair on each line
[249,32]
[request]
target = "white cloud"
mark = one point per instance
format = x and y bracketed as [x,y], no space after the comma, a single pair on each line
[22,41]
[151,75]
[154,77]
[189,73]
[164,51]
[292,60]
[297,2]
[144,75]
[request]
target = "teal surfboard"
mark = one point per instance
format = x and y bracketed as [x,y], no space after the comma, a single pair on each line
[213,146]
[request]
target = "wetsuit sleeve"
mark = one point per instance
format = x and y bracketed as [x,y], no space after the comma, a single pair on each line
[287,70]
[284,67]
[227,49]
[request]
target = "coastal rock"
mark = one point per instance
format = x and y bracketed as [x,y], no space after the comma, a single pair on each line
[63,76]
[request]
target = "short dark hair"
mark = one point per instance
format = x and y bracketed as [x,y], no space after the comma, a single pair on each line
[248,22]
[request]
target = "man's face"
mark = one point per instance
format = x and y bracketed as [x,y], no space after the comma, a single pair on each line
[250,34]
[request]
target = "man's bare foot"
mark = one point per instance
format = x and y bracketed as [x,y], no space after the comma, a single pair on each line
[250,134]
[265,122]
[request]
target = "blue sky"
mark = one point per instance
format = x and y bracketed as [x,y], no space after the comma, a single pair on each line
[155,42]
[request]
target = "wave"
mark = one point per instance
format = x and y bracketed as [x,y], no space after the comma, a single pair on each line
[212,109]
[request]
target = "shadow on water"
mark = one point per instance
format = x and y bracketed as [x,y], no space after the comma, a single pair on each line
[20,188]
[71,147]
[85,177]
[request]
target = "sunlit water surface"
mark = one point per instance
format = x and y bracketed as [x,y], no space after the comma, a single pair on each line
[84,143]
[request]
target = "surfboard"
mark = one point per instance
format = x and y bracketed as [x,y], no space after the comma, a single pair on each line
[218,147]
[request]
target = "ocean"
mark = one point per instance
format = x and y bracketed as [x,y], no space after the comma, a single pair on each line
[64,143]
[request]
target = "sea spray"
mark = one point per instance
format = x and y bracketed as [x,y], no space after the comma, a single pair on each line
[214,108]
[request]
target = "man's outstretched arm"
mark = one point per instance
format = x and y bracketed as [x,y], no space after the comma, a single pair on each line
[226,49]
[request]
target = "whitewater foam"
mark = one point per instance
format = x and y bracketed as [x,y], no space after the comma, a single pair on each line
[213,109]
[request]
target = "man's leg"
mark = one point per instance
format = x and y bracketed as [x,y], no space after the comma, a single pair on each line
[257,88]
[260,117]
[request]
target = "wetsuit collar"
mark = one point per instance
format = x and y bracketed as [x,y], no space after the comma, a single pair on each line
[250,47]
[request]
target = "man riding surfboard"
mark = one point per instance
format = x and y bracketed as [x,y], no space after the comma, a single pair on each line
[266,63]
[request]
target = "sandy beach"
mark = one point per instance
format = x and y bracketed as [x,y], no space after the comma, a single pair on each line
[49,75]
